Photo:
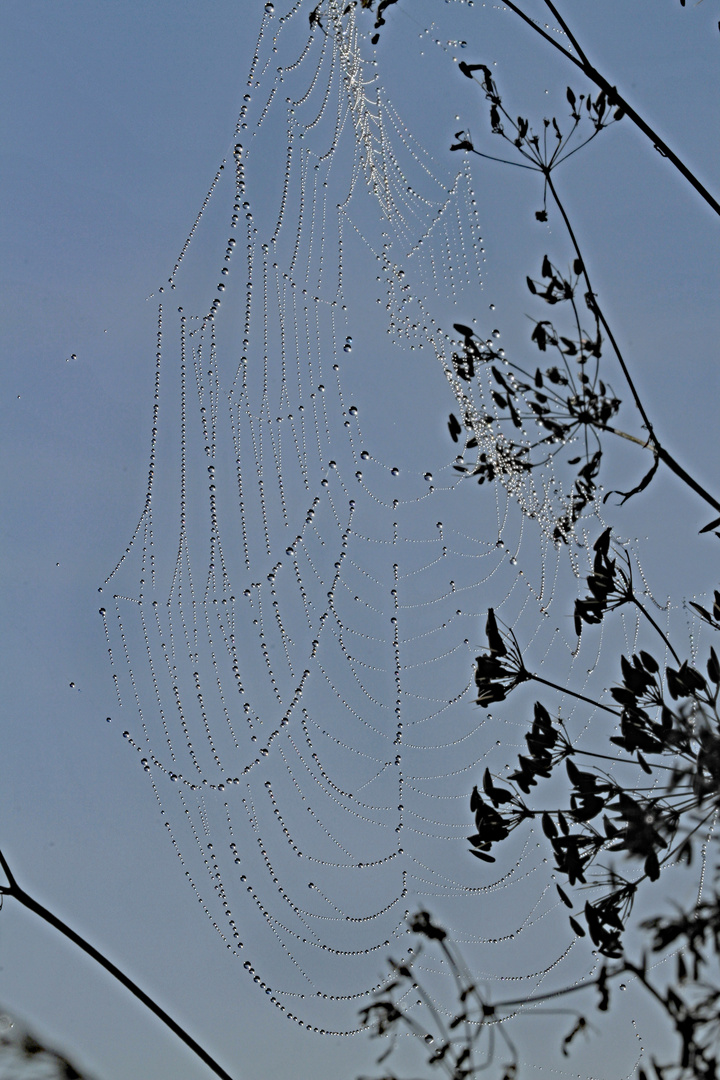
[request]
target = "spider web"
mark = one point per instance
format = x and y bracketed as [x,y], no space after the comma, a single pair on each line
[293,624]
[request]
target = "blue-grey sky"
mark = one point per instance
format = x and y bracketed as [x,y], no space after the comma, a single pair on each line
[115,118]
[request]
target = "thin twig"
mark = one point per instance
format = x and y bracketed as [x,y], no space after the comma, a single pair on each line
[17,893]
[572,693]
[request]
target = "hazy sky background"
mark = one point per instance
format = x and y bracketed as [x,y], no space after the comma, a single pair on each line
[115,117]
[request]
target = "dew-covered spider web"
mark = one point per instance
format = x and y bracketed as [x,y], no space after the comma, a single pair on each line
[293,624]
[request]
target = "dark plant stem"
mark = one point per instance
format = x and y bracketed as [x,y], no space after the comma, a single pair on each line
[462,981]
[653,441]
[620,761]
[13,890]
[616,99]
[515,1002]
[623,435]
[685,477]
[573,40]
[572,693]
[597,310]
[652,622]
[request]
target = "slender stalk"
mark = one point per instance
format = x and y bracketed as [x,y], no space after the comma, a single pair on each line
[513,1002]
[462,981]
[685,477]
[573,40]
[616,99]
[619,761]
[573,693]
[623,435]
[598,311]
[652,622]
[17,893]
[653,440]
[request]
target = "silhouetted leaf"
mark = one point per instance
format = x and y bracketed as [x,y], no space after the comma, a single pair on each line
[463,144]
[649,662]
[454,427]
[548,825]
[702,611]
[482,855]
[622,695]
[563,896]
[495,641]
[652,867]
[602,544]
[712,525]
[713,667]
[539,336]
[643,763]
[681,969]
[488,784]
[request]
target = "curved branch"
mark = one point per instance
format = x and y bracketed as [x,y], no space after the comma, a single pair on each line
[13,890]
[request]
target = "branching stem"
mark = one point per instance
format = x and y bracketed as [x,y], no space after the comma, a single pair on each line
[615,98]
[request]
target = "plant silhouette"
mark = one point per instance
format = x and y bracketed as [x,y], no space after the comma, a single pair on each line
[651,795]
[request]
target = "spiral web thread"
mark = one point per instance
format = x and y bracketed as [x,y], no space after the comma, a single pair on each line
[293,625]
